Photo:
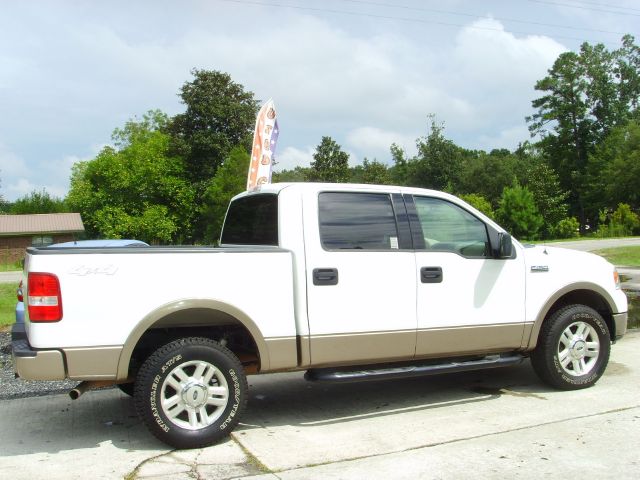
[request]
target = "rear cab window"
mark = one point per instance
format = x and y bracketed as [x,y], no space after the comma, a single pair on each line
[357,221]
[252,220]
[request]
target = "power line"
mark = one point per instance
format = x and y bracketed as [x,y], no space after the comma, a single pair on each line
[392,17]
[562,4]
[617,7]
[471,15]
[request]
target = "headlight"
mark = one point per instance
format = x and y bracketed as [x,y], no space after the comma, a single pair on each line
[616,278]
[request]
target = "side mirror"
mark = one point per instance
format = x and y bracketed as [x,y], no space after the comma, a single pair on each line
[505,247]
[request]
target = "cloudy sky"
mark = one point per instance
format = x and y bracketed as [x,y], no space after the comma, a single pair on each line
[367,73]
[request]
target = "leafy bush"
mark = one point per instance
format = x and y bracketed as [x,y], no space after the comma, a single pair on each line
[623,222]
[480,203]
[624,217]
[567,228]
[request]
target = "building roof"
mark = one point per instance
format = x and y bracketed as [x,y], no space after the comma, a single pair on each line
[40,223]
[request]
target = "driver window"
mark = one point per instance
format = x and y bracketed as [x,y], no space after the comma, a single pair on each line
[447,227]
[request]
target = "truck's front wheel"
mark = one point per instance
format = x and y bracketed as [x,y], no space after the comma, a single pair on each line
[573,348]
[191,392]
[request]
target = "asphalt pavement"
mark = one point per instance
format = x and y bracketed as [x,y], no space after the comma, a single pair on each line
[597,244]
[494,424]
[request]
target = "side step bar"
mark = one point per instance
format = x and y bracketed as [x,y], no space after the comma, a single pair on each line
[384,372]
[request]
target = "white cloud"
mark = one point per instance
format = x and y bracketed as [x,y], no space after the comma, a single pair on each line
[11,164]
[19,188]
[19,178]
[367,83]
[292,157]
[375,142]
[507,138]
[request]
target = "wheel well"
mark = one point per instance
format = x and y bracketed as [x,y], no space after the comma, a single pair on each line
[198,322]
[588,298]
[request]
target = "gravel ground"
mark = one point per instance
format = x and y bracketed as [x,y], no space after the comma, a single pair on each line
[11,387]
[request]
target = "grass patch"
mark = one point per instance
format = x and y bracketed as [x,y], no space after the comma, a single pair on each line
[623,256]
[7,303]
[11,267]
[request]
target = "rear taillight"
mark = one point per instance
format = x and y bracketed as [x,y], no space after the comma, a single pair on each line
[43,297]
[19,292]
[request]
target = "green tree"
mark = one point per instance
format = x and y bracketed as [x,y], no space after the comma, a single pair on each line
[586,95]
[399,172]
[518,213]
[479,203]
[438,162]
[375,173]
[330,164]
[488,174]
[551,201]
[230,180]
[298,174]
[614,169]
[38,202]
[135,190]
[219,115]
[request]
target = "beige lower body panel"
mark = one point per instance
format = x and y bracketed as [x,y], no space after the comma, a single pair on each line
[361,348]
[92,363]
[439,342]
[283,353]
[45,365]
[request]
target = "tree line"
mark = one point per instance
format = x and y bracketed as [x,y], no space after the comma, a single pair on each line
[168,179]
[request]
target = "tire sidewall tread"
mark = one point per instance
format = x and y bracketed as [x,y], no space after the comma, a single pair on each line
[545,360]
[155,369]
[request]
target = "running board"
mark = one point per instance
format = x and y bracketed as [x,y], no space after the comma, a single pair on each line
[383,372]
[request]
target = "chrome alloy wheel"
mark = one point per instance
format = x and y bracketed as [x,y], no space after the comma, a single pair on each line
[194,395]
[578,349]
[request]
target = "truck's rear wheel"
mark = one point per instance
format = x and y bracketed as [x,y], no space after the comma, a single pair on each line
[573,348]
[191,392]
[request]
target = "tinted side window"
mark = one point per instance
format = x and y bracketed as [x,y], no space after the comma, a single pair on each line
[447,227]
[252,220]
[361,221]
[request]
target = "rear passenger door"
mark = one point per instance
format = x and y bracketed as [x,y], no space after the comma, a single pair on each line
[361,284]
[468,301]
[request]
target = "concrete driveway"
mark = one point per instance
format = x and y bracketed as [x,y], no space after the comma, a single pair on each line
[492,424]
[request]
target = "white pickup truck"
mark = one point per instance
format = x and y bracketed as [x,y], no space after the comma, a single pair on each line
[347,282]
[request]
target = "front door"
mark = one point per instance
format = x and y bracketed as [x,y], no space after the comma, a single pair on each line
[468,302]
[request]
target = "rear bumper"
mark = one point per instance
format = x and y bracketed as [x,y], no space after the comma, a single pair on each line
[620,324]
[18,332]
[33,364]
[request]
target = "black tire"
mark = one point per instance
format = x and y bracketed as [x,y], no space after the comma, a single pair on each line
[573,348]
[177,373]
[126,388]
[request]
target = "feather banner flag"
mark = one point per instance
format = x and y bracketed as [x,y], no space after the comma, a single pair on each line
[265,137]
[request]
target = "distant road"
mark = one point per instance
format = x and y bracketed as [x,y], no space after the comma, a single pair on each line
[11,277]
[590,245]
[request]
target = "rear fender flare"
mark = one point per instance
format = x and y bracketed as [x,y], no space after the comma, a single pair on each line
[155,316]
